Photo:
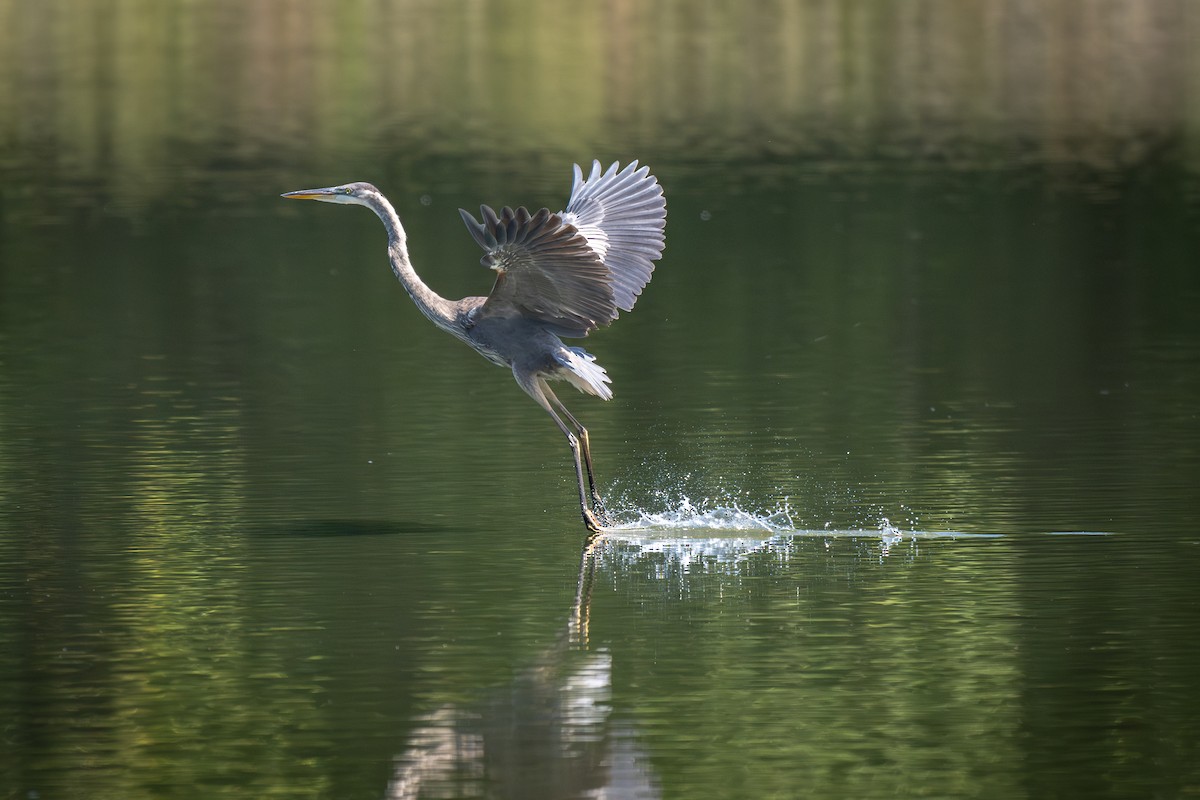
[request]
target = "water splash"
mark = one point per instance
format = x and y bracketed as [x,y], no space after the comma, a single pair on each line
[724,514]
[685,505]
[706,515]
[689,521]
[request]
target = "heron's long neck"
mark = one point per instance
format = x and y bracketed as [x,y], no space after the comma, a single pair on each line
[438,309]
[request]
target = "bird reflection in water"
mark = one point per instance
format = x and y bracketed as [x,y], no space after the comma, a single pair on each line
[548,734]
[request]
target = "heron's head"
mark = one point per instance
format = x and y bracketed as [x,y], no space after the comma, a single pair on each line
[357,193]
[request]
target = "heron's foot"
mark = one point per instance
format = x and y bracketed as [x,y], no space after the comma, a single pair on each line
[600,511]
[594,523]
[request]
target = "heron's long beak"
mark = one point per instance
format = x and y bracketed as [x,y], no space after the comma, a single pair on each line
[310,194]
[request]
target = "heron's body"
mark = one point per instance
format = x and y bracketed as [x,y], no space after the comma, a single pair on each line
[558,276]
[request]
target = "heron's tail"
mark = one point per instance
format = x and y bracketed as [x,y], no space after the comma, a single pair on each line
[579,368]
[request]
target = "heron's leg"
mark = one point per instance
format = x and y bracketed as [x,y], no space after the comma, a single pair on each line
[586,446]
[537,389]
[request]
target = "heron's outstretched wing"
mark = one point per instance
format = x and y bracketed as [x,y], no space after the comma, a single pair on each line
[573,271]
[547,270]
[622,213]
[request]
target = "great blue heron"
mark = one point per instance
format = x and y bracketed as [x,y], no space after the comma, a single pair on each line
[558,275]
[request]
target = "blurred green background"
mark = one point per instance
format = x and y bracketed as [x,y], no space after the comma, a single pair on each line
[930,268]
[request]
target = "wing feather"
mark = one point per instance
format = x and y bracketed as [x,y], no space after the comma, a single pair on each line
[546,270]
[622,213]
[575,270]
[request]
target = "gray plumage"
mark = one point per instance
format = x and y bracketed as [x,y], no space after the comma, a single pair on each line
[558,275]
